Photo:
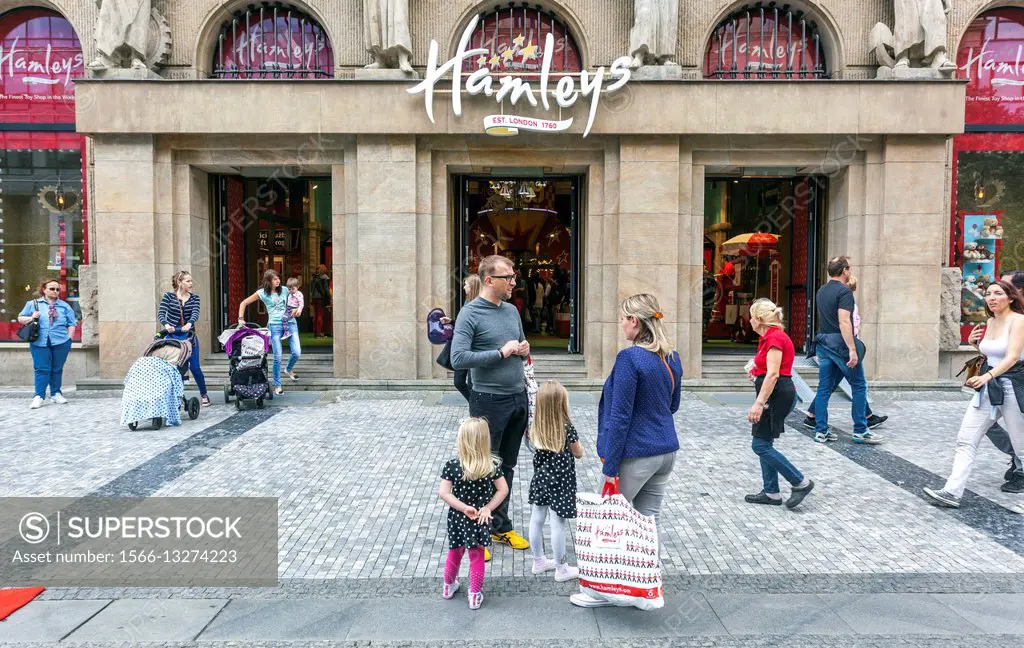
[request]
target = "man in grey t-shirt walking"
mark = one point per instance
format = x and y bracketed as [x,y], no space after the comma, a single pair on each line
[489,341]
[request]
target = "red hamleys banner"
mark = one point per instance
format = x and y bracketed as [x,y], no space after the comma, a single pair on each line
[40,58]
[991,58]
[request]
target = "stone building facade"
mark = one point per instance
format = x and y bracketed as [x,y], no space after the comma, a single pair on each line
[160,154]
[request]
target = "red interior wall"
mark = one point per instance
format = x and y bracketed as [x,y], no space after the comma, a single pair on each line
[798,272]
[236,245]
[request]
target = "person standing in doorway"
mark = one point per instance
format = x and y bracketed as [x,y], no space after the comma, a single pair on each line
[490,343]
[873,419]
[319,295]
[839,354]
[50,350]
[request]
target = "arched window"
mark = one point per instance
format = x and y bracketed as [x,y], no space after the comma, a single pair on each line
[514,37]
[272,41]
[766,41]
[990,58]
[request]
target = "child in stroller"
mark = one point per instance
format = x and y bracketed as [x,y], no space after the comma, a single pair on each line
[154,387]
[247,347]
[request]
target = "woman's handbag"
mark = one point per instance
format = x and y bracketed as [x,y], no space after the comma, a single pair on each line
[445,357]
[972,367]
[30,331]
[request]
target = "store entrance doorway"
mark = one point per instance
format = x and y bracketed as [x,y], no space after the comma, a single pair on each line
[762,237]
[535,223]
[265,223]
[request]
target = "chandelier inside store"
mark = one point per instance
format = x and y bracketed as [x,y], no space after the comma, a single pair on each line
[517,192]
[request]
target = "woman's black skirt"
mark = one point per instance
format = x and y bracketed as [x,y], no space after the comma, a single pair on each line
[780,404]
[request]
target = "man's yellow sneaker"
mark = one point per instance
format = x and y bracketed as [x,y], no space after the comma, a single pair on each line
[511,539]
[487,555]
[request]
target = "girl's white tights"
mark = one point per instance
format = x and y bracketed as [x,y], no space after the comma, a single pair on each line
[558,533]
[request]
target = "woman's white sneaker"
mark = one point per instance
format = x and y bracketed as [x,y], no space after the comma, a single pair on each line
[59,399]
[565,573]
[37,402]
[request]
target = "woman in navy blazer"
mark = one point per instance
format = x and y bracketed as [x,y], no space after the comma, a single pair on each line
[636,437]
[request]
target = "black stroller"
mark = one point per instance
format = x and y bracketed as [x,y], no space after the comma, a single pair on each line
[246,347]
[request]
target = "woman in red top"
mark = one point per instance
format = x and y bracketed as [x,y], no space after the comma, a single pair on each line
[772,372]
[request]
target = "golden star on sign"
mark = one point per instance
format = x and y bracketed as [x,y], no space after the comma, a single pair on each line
[519,40]
[530,51]
[482,61]
[495,61]
[507,55]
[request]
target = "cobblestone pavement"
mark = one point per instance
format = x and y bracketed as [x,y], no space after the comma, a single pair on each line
[357,485]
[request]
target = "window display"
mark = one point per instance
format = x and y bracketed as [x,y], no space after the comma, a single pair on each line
[978,244]
[41,229]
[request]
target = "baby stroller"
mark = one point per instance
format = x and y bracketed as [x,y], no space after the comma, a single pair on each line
[154,387]
[247,347]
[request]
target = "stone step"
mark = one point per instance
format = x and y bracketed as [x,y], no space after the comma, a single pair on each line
[570,383]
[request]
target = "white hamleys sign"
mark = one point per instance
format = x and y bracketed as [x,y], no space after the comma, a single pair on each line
[481,81]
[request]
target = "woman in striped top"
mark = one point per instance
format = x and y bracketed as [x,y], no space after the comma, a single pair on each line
[178,314]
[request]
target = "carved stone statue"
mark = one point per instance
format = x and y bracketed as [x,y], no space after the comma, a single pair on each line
[122,34]
[918,40]
[386,27]
[652,40]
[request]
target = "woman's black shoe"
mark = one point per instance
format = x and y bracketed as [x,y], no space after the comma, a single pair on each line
[761,498]
[799,494]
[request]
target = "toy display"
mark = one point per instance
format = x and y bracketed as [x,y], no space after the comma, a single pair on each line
[976,246]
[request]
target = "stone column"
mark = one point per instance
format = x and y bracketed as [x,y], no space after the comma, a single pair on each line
[125,211]
[648,254]
[907,274]
[193,249]
[345,301]
[381,271]
[690,326]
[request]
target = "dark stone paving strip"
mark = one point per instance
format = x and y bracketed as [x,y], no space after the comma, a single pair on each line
[968,584]
[148,478]
[976,511]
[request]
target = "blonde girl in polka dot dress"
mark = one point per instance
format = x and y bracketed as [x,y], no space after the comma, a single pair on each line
[471,486]
[553,487]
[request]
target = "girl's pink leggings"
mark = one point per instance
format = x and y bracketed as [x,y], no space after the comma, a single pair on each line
[476,567]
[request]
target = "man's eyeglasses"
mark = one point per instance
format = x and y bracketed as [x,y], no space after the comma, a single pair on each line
[57,289]
[508,277]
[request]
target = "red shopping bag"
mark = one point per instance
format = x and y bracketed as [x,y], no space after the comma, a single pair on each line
[617,551]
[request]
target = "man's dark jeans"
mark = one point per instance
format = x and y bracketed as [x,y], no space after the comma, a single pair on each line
[506,416]
[1000,439]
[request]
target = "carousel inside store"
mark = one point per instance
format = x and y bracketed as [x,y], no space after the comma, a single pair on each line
[533,223]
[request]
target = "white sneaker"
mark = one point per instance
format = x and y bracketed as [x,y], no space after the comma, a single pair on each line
[59,399]
[587,601]
[565,573]
[476,599]
[543,564]
[291,375]
[449,589]
[37,402]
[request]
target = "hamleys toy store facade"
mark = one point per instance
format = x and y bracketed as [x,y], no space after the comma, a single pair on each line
[708,152]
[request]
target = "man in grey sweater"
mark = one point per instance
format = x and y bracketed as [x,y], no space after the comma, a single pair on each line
[489,341]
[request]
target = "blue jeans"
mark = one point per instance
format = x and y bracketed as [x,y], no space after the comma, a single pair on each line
[831,370]
[773,464]
[195,370]
[276,331]
[48,362]
[814,401]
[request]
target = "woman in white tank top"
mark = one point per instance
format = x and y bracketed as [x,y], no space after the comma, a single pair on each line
[1001,341]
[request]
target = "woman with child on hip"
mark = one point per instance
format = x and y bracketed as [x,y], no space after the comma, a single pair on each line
[276,300]
[472,485]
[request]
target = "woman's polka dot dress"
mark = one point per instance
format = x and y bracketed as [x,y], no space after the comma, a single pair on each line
[554,478]
[463,532]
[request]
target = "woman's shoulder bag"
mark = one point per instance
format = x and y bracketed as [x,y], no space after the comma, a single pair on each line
[30,331]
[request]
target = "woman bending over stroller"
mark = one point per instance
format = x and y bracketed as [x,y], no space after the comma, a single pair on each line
[178,314]
[275,299]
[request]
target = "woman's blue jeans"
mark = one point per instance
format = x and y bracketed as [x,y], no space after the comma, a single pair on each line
[276,331]
[774,463]
[48,362]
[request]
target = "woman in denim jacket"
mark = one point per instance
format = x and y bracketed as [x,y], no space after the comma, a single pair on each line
[50,350]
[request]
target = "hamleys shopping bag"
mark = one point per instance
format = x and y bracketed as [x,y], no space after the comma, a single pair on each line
[617,551]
